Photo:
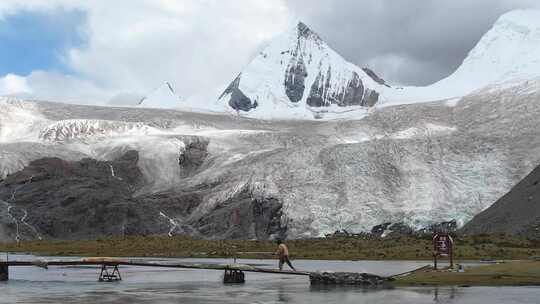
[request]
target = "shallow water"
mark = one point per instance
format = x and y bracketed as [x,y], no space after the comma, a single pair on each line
[150,285]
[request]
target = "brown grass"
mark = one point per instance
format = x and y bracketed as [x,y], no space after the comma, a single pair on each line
[335,248]
[509,273]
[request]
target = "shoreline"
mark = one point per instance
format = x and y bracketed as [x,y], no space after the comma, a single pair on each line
[510,273]
[509,261]
[473,248]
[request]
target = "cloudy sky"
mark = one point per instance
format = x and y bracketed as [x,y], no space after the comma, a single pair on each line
[90,51]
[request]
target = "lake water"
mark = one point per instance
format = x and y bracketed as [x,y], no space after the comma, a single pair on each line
[158,285]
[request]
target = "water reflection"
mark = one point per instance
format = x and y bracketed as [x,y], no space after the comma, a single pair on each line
[282,295]
[445,296]
[147,285]
[342,289]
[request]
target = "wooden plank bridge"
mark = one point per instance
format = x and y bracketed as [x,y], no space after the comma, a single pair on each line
[233,273]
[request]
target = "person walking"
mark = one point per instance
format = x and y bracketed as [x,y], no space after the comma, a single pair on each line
[283,253]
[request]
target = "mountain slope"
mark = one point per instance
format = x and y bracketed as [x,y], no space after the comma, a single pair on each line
[517,212]
[508,52]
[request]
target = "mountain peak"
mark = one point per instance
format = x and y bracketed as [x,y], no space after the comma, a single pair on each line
[162,97]
[305,32]
[299,76]
[507,52]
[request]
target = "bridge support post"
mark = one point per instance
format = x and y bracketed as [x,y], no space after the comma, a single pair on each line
[4,272]
[106,276]
[234,276]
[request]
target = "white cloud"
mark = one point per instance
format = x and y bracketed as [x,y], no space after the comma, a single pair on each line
[56,86]
[136,45]
[13,85]
[53,86]
[391,66]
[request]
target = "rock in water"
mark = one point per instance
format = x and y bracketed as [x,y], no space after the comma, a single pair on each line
[346,278]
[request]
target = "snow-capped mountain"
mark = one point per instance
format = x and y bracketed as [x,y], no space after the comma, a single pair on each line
[508,52]
[298,75]
[162,97]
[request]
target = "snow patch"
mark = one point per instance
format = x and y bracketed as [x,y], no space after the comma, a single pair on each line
[452,102]
[172,222]
[427,130]
[20,121]
[162,97]
[85,128]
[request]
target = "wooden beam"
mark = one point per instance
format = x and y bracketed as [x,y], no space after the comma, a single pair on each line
[4,272]
[111,262]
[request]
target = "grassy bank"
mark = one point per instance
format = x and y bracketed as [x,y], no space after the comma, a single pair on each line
[335,248]
[512,273]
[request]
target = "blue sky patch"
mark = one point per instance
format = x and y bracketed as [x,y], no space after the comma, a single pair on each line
[37,40]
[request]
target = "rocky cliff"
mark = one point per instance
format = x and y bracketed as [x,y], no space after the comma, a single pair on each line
[517,212]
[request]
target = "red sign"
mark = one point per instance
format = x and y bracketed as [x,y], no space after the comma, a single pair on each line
[442,244]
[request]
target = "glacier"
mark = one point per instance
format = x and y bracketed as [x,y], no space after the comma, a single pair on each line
[419,164]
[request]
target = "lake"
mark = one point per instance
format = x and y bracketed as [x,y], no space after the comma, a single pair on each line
[159,285]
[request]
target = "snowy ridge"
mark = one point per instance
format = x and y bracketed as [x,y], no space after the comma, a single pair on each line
[507,54]
[428,130]
[85,128]
[508,51]
[19,120]
[162,97]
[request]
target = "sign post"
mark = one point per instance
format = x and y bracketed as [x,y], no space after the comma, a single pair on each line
[443,246]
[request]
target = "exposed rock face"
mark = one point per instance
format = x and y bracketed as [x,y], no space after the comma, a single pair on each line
[391,228]
[400,228]
[517,212]
[295,76]
[321,94]
[316,96]
[305,32]
[237,99]
[370,98]
[375,77]
[243,217]
[53,198]
[193,156]
[443,227]
[354,93]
